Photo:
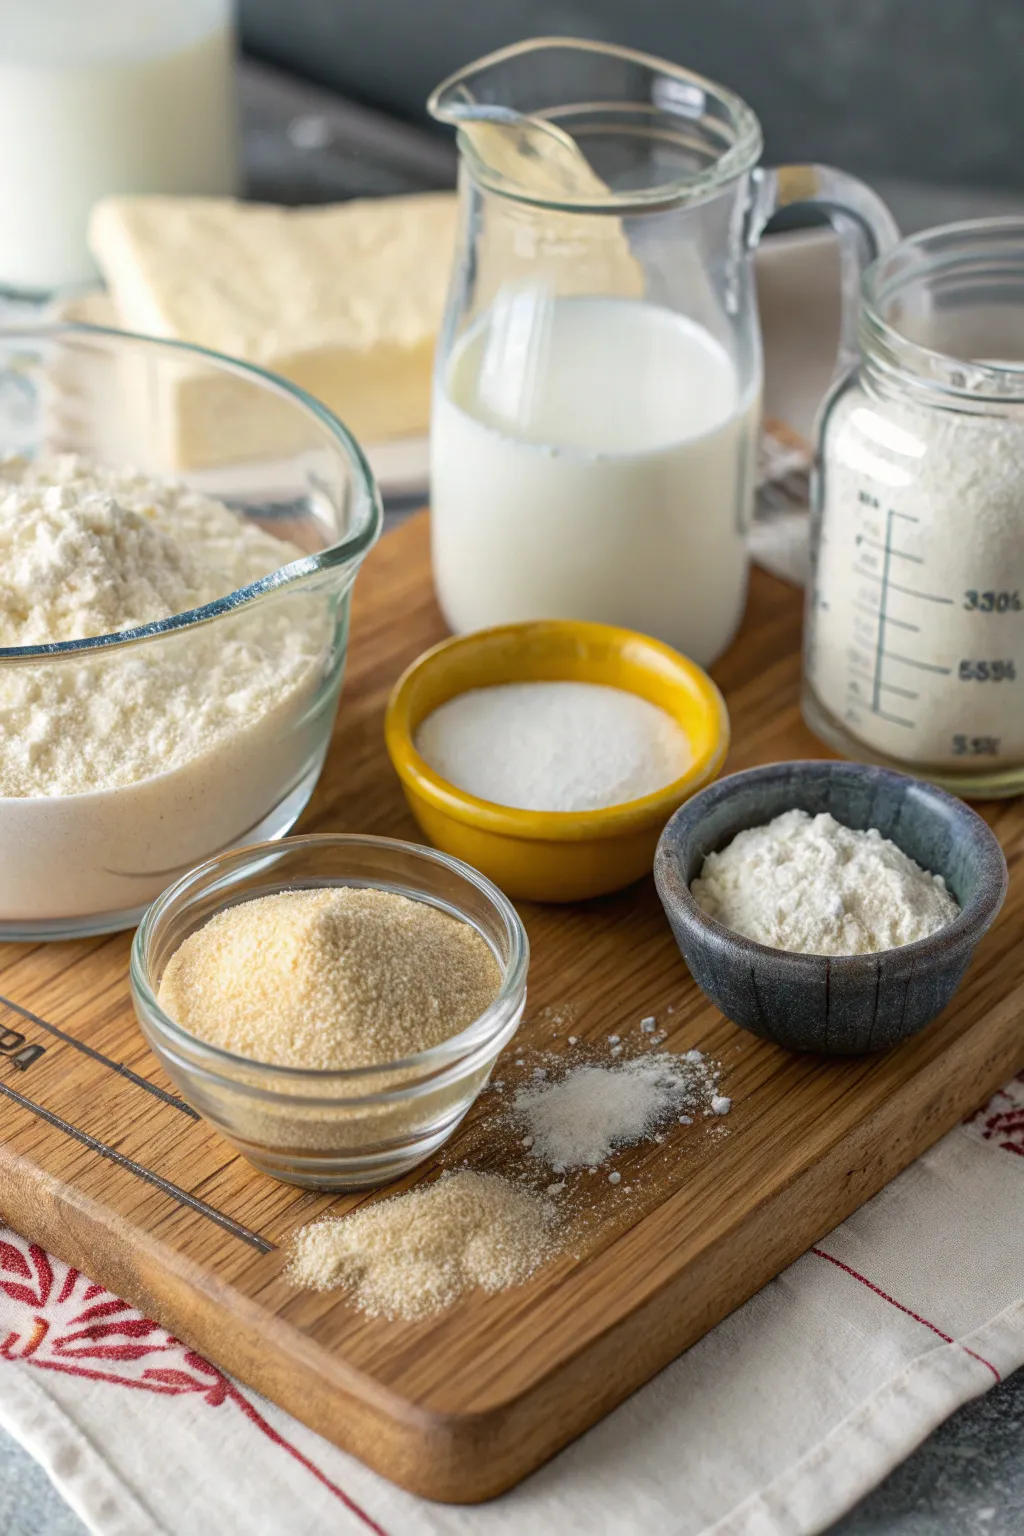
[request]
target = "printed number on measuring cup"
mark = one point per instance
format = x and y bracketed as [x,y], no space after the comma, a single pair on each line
[988,671]
[975,746]
[992,602]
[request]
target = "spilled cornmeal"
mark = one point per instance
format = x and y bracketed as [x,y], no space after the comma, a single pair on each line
[409,1256]
[413,1254]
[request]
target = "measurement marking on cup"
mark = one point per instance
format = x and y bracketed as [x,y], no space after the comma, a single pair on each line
[899,623]
[928,597]
[886,621]
[856,678]
[883,594]
[901,554]
[922,666]
[894,719]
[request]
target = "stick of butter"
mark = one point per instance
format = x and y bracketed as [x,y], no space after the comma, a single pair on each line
[345,301]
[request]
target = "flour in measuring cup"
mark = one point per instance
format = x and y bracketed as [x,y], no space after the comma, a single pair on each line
[916,633]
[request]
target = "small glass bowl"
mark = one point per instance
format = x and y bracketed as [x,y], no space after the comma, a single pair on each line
[332,1130]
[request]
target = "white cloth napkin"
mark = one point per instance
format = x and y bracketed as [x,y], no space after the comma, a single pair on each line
[773,1425]
[780,537]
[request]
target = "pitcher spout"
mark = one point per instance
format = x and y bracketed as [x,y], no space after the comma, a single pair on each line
[497,107]
[500,87]
[591,126]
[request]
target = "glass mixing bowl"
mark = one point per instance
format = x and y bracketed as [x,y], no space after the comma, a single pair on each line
[332,1130]
[91,862]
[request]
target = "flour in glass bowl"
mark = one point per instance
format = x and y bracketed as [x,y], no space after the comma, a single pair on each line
[116,770]
[810,885]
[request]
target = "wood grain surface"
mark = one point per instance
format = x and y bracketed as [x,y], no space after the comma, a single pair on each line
[102,1164]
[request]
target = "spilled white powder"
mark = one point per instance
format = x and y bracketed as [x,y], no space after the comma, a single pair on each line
[581,1119]
[554,746]
[812,886]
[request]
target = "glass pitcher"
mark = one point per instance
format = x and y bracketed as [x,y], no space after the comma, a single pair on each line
[598,379]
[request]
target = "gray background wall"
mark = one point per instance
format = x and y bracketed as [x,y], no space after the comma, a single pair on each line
[927,90]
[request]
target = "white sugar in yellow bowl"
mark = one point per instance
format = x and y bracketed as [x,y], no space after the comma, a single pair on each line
[554,855]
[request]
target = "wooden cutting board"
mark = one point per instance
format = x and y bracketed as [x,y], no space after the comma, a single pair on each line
[103,1165]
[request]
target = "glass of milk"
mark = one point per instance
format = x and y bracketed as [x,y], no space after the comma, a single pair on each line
[101,96]
[598,378]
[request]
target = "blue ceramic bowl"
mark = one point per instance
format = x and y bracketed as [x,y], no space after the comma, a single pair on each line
[837,1004]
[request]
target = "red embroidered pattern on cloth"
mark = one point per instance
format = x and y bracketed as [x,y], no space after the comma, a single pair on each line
[1002,1119]
[64,1322]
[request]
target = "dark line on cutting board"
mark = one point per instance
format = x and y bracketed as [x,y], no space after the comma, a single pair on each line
[115,1066]
[164,1185]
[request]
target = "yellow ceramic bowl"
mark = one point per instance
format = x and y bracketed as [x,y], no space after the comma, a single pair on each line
[553,855]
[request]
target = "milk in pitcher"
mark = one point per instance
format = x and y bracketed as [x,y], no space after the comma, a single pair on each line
[593,458]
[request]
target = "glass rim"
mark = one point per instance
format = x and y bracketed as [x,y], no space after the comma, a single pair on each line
[445,1053]
[929,369]
[369,510]
[733,161]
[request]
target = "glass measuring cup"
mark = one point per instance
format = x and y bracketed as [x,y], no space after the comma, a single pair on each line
[914,640]
[598,378]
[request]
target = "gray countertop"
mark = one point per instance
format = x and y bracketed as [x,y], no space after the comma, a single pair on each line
[301,145]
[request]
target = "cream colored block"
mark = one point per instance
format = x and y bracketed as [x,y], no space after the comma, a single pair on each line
[345,301]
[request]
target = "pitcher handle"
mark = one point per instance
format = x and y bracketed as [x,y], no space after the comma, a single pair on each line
[863,224]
